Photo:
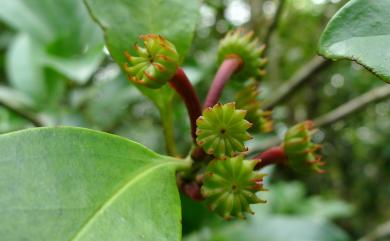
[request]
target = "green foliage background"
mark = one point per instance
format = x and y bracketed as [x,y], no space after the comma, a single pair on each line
[56,66]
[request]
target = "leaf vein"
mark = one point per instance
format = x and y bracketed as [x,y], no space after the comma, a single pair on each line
[121,190]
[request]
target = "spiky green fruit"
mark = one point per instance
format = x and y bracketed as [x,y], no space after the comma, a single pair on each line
[222,130]
[247,99]
[155,64]
[301,152]
[248,49]
[230,186]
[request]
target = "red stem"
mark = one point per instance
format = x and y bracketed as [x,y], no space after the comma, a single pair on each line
[225,71]
[192,190]
[184,88]
[274,155]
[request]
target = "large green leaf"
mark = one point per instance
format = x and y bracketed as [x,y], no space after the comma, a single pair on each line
[73,184]
[360,31]
[124,20]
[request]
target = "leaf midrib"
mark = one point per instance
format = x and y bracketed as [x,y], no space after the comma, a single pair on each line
[115,195]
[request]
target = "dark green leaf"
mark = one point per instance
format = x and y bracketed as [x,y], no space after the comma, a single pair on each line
[360,31]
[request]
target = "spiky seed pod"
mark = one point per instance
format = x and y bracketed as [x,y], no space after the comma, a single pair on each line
[301,152]
[230,186]
[155,64]
[222,130]
[244,45]
[247,99]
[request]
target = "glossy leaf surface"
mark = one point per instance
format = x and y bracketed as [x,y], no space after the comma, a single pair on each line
[360,31]
[73,184]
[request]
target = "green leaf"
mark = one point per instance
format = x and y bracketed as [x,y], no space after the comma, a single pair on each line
[17,98]
[66,38]
[360,31]
[103,95]
[275,228]
[124,20]
[42,85]
[73,184]
[23,18]
[25,54]
[293,229]
[79,68]
[287,211]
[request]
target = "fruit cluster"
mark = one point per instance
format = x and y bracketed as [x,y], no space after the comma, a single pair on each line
[230,183]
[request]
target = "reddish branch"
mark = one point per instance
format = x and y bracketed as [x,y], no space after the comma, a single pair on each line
[228,67]
[274,155]
[184,88]
[192,190]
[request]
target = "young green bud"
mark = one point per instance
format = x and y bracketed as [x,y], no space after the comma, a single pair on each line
[230,186]
[155,64]
[300,150]
[247,99]
[243,45]
[222,130]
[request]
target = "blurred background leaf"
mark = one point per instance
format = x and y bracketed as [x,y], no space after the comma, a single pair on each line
[275,228]
[56,43]
[289,215]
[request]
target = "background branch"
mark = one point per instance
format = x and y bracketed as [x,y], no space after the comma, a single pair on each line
[381,231]
[302,76]
[274,23]
[352,106]
[343,111]
[9,100]
[23,113]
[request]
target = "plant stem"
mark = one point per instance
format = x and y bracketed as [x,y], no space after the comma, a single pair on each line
[225,71]
[273,155]
[184,88]
[274,23]
[192,190]
[198,154]
[167,122]
[301,77]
